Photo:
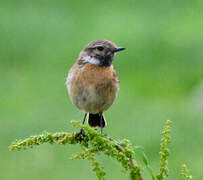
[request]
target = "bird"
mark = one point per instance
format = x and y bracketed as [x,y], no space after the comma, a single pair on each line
[92,81]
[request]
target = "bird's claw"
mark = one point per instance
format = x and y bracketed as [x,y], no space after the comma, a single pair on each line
[80,135]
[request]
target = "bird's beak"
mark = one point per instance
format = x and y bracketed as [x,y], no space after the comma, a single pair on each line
[119,49]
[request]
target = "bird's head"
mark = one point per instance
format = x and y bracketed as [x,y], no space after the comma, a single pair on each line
[100,52]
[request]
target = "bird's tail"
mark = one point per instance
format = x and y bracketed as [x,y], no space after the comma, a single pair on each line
[96,120]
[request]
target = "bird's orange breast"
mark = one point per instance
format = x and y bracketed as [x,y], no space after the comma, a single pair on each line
[92,88]
[93,74]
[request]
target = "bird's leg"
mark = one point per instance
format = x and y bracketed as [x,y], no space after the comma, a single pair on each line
[82,131]
[83,122]
[101,124]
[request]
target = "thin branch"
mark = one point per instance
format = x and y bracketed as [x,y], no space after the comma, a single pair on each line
[92,143]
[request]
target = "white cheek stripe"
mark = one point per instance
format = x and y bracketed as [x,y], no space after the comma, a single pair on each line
[91,60]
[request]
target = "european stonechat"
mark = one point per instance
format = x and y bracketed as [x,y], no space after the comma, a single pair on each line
[92,81]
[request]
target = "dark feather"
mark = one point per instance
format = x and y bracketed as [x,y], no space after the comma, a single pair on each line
[96,120]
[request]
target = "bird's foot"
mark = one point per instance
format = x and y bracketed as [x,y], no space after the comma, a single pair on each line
[80,135]
[104,134]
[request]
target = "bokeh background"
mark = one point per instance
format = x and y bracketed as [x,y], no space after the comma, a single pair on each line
[161,77]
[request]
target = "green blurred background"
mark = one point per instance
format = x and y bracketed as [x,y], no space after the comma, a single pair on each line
[161,77]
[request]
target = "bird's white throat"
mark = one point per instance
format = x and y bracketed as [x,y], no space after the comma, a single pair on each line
[91,60]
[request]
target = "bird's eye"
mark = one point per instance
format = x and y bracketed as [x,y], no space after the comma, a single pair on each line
[100,48]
